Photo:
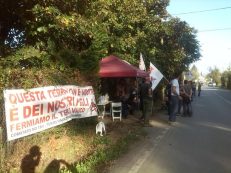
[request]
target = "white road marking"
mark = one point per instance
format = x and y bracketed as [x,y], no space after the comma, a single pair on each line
[224,99]
[147,153]
[140,161]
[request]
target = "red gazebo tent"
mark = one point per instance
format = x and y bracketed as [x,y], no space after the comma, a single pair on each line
[112,66]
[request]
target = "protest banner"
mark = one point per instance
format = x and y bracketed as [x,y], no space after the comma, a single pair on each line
[34,110]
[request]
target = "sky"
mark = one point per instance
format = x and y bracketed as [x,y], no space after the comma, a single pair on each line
[215,44]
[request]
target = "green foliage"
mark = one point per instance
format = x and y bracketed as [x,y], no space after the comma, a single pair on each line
[66,30]
[25,57]
[104,155]
[83,32]
[70,59]
[214,75]
[195,72]
[176,46]
[226,79]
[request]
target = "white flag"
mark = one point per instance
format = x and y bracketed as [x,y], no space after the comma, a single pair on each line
[155,76]
[141,64]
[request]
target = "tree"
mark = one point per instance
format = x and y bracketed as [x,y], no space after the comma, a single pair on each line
[226,78]
[195,72]
[174,46]
[214,75]
[90,30]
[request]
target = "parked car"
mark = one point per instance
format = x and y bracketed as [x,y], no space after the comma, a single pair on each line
[212,84]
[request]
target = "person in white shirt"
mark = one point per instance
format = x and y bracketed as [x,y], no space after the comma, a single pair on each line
[175,92]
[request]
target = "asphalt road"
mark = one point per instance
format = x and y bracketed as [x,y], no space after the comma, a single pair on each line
[199,144]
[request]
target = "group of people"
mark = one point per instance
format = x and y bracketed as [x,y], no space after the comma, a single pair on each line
[127,95]
[180,95]
[139,96]
[136,96]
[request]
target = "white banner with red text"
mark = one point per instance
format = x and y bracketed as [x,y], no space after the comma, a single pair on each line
[34,110]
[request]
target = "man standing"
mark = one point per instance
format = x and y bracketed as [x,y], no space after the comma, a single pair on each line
[180,103]
[199,89]
[146,97]
[168,96]
[187,109]
[175,91]
[193,89]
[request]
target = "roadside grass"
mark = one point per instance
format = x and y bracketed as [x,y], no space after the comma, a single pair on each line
[74,147]
[105,155]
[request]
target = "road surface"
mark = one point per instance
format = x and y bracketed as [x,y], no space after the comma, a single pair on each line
[199,144]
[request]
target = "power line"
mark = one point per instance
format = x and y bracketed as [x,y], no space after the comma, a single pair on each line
[218,29]
[201,11]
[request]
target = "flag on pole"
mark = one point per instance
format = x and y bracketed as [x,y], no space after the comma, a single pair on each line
[141,64]
[155,76]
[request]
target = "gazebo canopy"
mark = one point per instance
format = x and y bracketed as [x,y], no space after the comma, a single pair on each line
[112,66]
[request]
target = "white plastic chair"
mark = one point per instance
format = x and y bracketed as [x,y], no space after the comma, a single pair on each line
[116,110]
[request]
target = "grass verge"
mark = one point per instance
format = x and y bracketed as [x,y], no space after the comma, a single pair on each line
[74,147]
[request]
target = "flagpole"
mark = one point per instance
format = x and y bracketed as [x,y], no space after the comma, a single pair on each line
[137,93]
[141,63]
[166,79]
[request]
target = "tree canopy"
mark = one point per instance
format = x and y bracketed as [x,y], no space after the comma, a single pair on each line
[214,75]
[76,34]
[195,72]
[226,78]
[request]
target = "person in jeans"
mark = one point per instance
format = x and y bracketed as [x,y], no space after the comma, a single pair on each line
[175,92]
[193,86]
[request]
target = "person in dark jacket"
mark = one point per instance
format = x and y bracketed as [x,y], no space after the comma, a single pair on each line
[146,100]
[168,96]
[199,89]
